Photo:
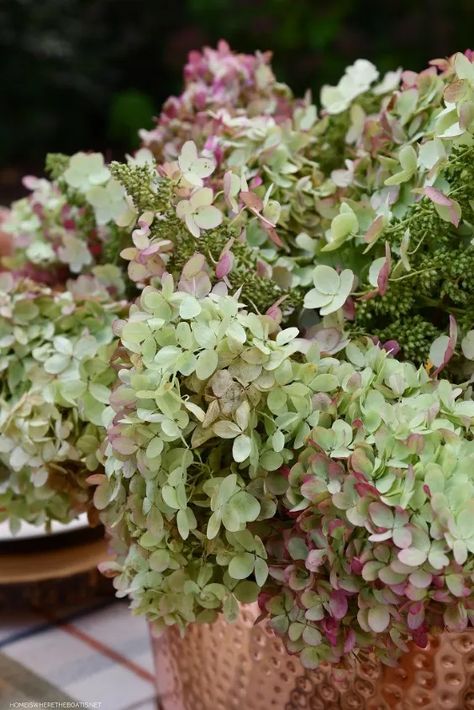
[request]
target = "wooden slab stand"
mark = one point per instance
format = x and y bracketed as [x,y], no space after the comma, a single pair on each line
[60,569]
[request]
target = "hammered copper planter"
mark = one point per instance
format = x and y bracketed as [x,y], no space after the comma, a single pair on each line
[245,667]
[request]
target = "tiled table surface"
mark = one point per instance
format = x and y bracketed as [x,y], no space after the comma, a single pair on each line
[99,654]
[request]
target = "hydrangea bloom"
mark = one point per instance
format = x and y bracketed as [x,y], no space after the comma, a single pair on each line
[216,79]
[57,232]
[55,378]
[85,171]
[213,401]
[377,547]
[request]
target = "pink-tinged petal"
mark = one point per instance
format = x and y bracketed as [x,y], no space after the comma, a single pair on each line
[436,196]
[220,289]
[384,273]
[454,91]
[274,311]
[6,244]
[330,628]
[402,538]
[338,604]
[198,286]
[252,201]
[391,347]
[124,446]
[369,295]
[375,230]
[315,559]
[225,264]
[416,443]
[96,479]
[194,265]
[420,637]
[272,233]
[442,200]
[349,641]
[442,349]
[349,309]
[137,272]
[264,269]
[163,246]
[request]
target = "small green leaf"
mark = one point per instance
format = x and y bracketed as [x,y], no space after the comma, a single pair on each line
[213,526]
[378,618]
[169,496]
[159,560]
[246,506]
[241,566]
[261,571]
[246,592]
[241,448]
[231,608]
[189,307]
[310,657]
[206,364]
[182,523]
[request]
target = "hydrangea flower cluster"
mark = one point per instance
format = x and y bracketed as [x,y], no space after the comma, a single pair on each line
[55,352]
[66,226]
[212,402]
[377,546]
[216,79]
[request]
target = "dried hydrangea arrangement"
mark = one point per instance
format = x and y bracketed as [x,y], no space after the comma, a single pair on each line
[55,353]
[234,110]
[244,434]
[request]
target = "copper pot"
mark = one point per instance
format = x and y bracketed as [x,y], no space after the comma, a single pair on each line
[241,666]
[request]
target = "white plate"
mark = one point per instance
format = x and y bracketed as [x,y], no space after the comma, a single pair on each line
[30,531]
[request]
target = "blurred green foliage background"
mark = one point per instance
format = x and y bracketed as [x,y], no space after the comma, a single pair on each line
[88,73]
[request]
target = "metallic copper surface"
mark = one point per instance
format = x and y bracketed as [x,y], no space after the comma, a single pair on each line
[245,667]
